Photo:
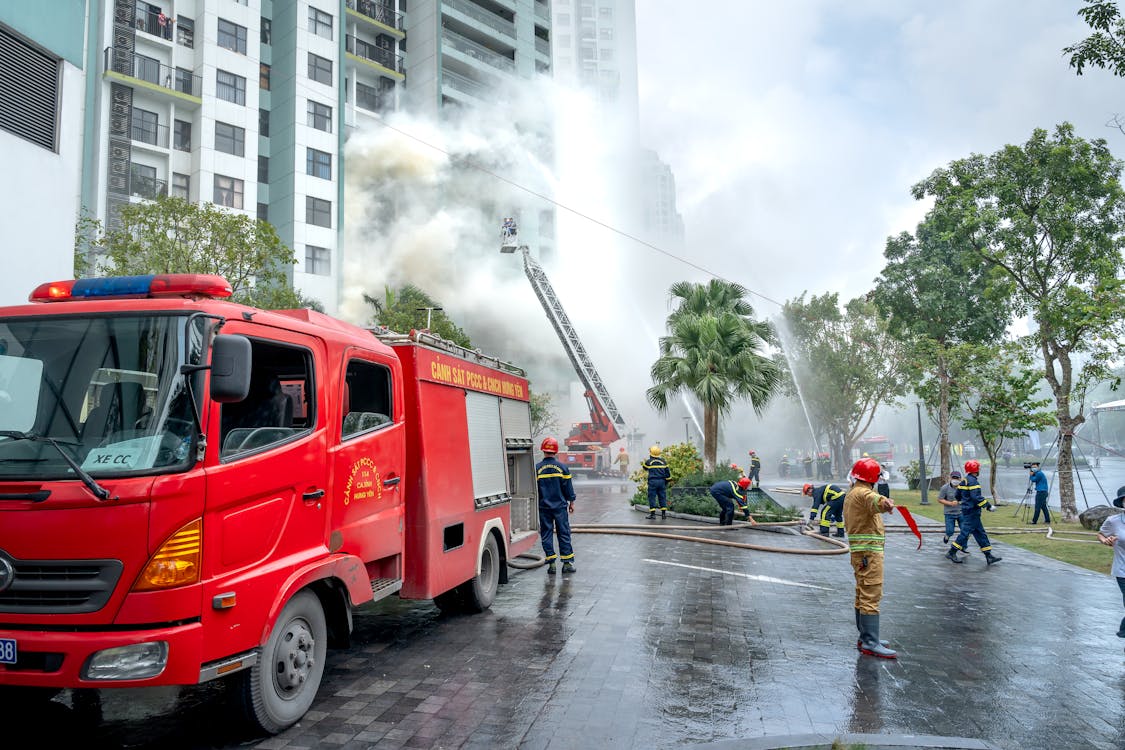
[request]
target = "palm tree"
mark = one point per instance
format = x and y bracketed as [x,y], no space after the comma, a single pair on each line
[713,352]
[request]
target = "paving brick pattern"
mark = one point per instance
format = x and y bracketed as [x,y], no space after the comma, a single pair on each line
[635,654]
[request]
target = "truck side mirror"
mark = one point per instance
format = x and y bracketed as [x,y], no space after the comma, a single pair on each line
[230,369]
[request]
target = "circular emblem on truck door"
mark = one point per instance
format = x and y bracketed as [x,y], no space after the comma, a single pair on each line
[7,574]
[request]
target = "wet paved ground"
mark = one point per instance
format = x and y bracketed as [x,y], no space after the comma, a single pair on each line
[661,644]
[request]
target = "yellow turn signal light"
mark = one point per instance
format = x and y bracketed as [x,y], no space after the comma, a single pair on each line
[177,561]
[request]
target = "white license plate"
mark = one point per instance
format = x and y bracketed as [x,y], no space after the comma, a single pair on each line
[7,650]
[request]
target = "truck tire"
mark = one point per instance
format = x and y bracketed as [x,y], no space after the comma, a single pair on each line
[278,690]
[479,592]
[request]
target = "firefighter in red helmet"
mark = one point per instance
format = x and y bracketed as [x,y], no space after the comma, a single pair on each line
[556,501]
[828,507]
[972,502]
[863,509]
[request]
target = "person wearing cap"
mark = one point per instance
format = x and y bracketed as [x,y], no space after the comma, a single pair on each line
[755,469]
[1112,534]
[947,496]
[1037,478]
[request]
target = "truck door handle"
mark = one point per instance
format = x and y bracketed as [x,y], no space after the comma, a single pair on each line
[314,495]
[392,481]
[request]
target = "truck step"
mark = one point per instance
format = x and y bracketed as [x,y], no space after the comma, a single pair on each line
[381,588]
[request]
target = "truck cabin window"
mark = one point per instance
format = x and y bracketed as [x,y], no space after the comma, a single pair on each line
[279,407]
[366,399]
[107,390]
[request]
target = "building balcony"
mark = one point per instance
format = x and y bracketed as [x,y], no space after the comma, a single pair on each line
[152,75]
[155,23]
[152,135]
[142,186]
[386,59]
[379,16]
[464,84]
[543,12]
[480,15]
[477,51]
[543,47]
[372,100]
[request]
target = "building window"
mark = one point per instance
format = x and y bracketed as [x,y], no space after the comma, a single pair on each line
[320,23]
[318,260]
[320,116]
[181,136]
[605,33]
[267,30]
[228,191]
[143,182]
[230,139]
[232,36]
[264,169]
[318,164]
[320,69]
[605,54]
[230,87]
[185,31]
[368,97]
[263,77]
[146,68]
[145,127]
[264,122]
[185,82]
[263,212]
[318,212]
[181,186]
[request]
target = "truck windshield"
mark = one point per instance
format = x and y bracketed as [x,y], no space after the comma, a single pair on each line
[107,389]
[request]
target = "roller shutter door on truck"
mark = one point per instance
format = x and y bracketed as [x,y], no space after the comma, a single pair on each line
[516,419]
[486,447]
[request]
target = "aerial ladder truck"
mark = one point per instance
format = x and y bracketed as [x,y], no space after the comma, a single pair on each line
[587,446]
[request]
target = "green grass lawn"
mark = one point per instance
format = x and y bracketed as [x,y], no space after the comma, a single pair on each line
[1096,557]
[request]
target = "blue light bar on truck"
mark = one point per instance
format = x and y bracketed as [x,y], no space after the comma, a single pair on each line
[118,287]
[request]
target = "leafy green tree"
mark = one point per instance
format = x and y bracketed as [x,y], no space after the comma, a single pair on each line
[847,363]
[683,460]
[407,308]
[1000,397]
[544,418]
[172,235]
[713,352]
[931,292]
[1046,218]
[1105,48]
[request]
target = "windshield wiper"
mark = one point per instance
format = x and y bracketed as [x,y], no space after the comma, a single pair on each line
[99,492]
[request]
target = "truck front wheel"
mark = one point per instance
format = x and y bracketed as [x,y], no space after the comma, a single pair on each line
[479,592]
[278,690]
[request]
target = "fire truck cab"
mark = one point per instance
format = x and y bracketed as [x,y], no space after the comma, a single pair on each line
[193,489]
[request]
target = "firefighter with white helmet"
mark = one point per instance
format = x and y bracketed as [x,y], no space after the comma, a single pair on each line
[658,475]
[863,509]
[556,501]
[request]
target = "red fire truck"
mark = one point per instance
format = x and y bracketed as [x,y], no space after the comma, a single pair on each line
[192,489]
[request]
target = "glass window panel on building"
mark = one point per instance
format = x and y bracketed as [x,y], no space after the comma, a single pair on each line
[320,23]
[228,191]
[318,163]
[181,186]
[264,77]
[318,260]
[230,87]
[320,69]
[232,36]
[230,139]
[264,123]
[144,126]
[181,135]
[320,116]
[267,30]
[318,212]
[263,169]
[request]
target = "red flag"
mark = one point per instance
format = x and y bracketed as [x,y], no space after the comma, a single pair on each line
[911,523]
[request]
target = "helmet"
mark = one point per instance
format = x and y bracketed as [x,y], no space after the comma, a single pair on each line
[807,489]
[734,466]
[654,450]
[866,470]
[972,466]
[751,453]
[622,450]
[549,445]
[744,482]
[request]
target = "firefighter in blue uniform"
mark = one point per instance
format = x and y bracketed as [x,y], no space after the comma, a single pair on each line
[972,502]
[658,476]
[828,507]
[729,493]
[755,469]
[556,501]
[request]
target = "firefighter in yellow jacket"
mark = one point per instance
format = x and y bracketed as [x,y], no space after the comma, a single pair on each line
[863,508]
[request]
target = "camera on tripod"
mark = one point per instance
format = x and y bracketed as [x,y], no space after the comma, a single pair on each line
[1028,466]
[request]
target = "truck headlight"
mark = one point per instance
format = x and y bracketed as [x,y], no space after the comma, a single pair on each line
[136,662]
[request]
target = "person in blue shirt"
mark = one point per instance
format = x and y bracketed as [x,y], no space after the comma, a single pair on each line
[1039,480]
[972,502]
[658,475]
[556,501]
[1112,534]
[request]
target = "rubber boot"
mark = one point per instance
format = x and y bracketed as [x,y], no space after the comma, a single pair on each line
[840,534]
[951,555]
[824,531]
[651,515]
[859,627]
[551,569]
[568,567]
[663,514]
[991,558]
[870,643]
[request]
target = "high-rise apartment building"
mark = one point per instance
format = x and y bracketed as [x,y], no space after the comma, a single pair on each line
[42,79]
[243,103]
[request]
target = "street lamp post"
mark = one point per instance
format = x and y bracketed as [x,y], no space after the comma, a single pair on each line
[922,483]
[429,314]
[687,437]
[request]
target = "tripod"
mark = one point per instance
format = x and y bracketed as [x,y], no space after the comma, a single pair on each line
[1022,507]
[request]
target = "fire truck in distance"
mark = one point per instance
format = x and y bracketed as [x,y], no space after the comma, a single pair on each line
[587,445]
[877,447]
[192,489]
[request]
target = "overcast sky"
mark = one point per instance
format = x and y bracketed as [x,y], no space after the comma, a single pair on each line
[796,129]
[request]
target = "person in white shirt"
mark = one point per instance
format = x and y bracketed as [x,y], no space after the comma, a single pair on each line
[1112,534]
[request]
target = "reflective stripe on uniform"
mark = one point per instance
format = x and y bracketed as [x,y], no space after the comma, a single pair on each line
[552,472]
